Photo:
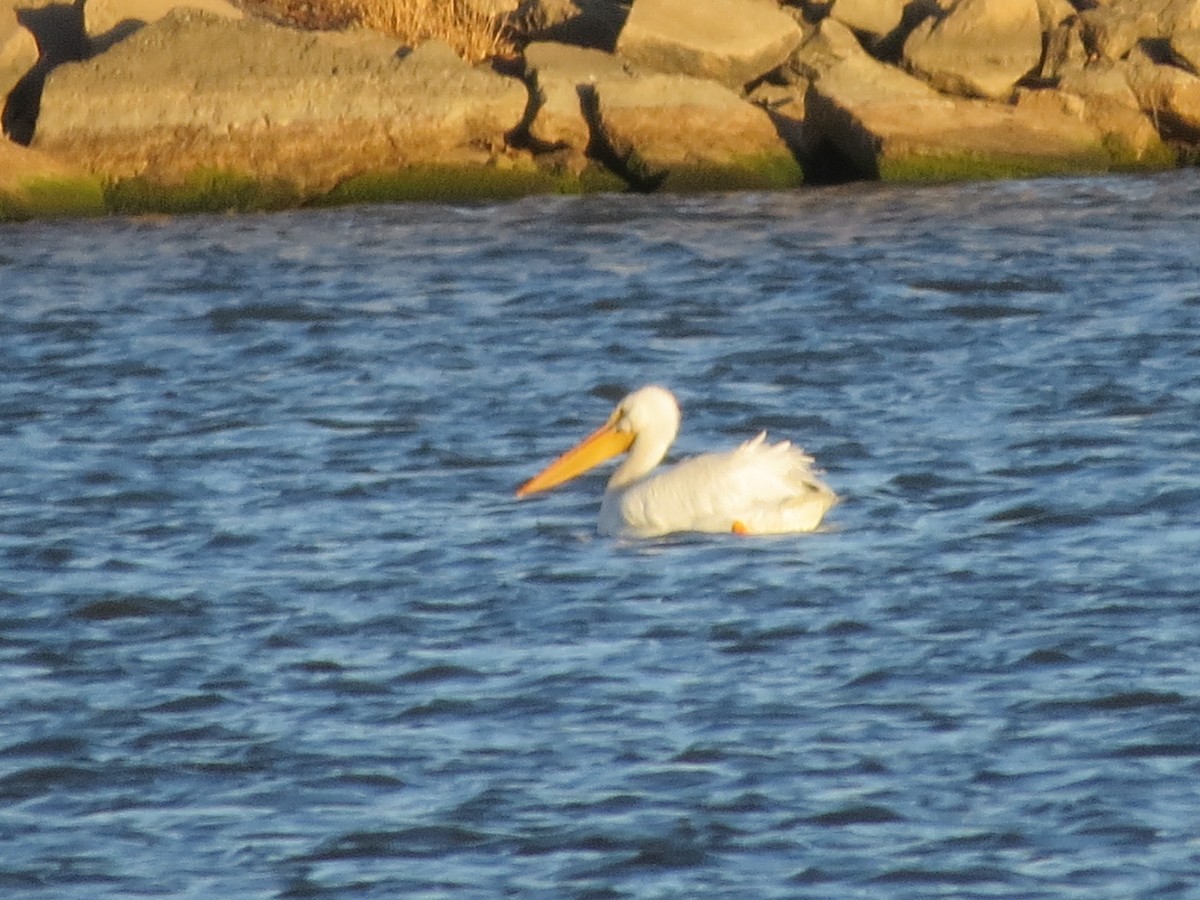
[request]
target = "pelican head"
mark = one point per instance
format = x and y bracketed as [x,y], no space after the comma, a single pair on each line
[644,424]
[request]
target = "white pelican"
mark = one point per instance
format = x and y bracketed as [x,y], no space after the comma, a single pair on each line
[757,488]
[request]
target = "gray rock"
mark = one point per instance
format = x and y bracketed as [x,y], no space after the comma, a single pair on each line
[1128,135]
[584,23]
[106,22]
[980,48]
[556,74]
[1108,34]
[1111,30]
[887,124]
[872,18]
[1185,50]
[57,32]
[1168,94]
[676,129]
[730,41]
[274,104]
[18,51]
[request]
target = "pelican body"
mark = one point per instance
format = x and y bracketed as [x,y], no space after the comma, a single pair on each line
[757,488]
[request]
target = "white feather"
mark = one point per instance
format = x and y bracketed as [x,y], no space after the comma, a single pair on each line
[757,488]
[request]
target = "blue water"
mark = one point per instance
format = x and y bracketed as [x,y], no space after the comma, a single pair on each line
[273,625]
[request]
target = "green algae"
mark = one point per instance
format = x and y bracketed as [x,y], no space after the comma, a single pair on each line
[438,183]
[49,197]
[747,172]
[1107,156]
[204,190]
[763,172]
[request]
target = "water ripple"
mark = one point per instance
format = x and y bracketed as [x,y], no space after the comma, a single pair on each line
[271,623]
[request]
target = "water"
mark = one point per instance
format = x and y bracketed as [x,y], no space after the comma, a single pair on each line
[271,623]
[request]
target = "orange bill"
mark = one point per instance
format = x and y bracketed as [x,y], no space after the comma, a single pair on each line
[602,444]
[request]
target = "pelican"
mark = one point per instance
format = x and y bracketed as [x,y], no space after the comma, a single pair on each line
[757,488]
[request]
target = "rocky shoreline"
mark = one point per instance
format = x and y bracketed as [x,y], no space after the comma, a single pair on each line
[154,106]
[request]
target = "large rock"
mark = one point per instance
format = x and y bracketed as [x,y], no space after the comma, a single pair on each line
[1111,30]
[107,21]
[687,133]
[556,74]
[1185,50]
[1167,94]
[276,106]
[730,41]
[1064,48]
[18,51]
[57,31]
[584,23]
[886,124]
[873,19]
[980,48]
[1127,134]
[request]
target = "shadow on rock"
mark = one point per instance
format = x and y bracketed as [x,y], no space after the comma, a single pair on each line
[58,30]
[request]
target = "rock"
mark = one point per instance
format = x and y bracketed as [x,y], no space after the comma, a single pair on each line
[56,25]
[1185,50]
[107,21]
[556,73]
[874,19]
[784,103]
[1168,94]
[34,184]
[584,23]
[1108,34]
[276,106]
[1064,49]
[18,52]
[1109,107]
[831,43]
[1179,16]
[980,48]
[730,41]
[686,132]
[57,31]
[1111,30]
[887,124]
[1054,13]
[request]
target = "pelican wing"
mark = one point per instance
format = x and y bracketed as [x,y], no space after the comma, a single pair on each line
[757,488]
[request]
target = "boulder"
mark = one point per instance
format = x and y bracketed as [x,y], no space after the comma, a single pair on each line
[784,104]
[887,124]
[980,48]
[584,23]
[1185,50]
[1178,16]
[1108,106]
[688,133]
[1168,94]
[1054,13]
[556,74]
[1109,34]
[1064,49]
[1111,30]
[731,41]
[276,106]
[57,31]
[107,21]
[18,51]
[874,19]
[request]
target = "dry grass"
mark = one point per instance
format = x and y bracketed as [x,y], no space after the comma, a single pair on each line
[466,25]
